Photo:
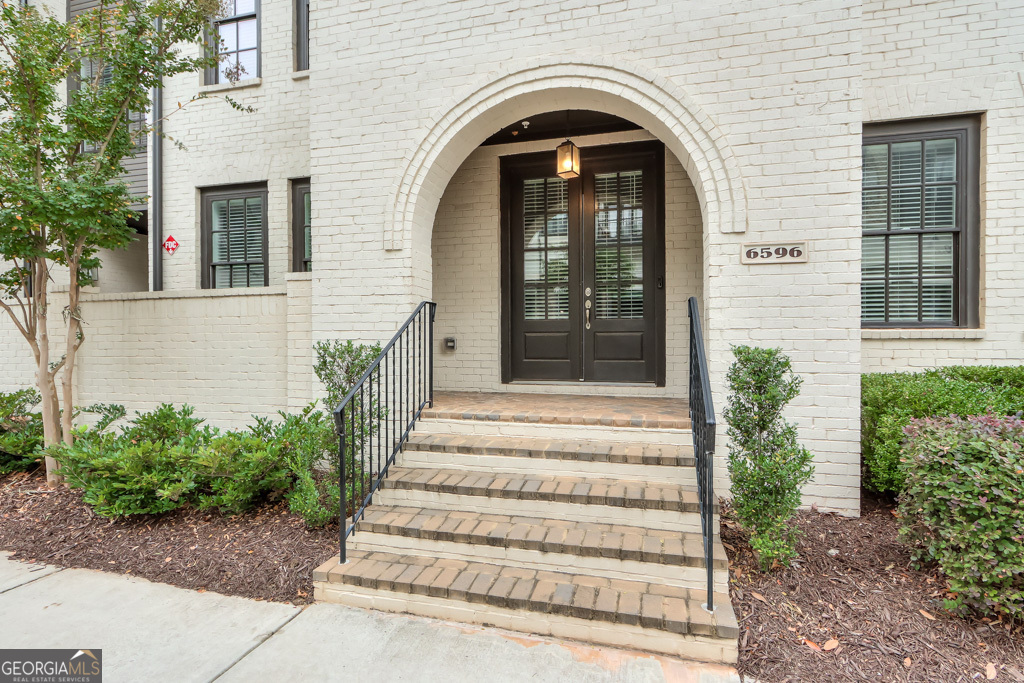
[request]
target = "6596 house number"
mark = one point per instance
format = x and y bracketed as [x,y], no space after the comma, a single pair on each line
[774,252]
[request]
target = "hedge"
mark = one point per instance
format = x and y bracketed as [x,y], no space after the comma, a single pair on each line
[961,507]
[889,401]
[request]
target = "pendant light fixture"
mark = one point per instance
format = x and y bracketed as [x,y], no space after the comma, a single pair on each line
[568,160]
[568,155]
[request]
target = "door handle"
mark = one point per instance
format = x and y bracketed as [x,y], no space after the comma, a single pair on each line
[586,307]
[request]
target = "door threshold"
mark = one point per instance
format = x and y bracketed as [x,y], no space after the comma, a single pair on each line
[566,383]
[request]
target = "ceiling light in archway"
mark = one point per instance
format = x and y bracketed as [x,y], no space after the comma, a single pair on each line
[568,156]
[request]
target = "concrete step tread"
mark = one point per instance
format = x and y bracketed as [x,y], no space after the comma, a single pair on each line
[560,449]
[547,535]
[553,488]
[650,605]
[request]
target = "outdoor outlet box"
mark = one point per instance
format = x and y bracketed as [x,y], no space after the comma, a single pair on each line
[449,343]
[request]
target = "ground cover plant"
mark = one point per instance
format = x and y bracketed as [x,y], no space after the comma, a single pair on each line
[889,401]
[767,466]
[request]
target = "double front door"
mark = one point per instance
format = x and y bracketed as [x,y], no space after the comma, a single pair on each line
[584,267]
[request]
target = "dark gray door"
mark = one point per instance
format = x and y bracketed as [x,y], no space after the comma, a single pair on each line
[584,285]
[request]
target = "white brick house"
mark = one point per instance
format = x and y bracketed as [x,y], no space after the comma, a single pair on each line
[402,122]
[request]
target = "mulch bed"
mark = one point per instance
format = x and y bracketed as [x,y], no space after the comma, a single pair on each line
[266,554]
[860,613]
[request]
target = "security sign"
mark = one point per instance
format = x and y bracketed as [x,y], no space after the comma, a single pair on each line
[171,244]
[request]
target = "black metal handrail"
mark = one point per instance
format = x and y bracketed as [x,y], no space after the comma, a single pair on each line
[375,417]
[702,422]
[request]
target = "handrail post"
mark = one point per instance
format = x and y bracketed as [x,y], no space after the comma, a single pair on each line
[430,341]
[339,419]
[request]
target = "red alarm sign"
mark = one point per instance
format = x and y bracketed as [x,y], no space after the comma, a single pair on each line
[171,244]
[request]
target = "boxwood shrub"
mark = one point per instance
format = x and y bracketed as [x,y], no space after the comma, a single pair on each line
[889,401]
[962,507]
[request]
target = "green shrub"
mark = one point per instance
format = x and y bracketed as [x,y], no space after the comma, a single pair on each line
[309,444]
[21,431]
[766,464]
[961,507]
[166,459]
[890,401]
[339,365]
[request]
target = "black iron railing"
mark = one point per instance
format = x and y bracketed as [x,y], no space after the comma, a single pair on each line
[702,420]
[375,418]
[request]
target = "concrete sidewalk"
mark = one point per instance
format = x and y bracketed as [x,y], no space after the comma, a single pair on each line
[153,632]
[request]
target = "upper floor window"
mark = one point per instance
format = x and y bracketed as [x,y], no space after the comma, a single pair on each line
[234,225]
[302,246]
[237,36]
[919,199]
[301,35]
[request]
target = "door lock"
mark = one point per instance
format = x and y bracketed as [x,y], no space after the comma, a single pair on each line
[586,292]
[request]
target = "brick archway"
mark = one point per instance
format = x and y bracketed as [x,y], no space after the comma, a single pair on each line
[623,89]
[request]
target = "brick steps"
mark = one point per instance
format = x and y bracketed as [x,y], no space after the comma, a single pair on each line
[595,433]
[635,603]
[546,535]
[668,455]
[586,532]
[605,550]
[547,488]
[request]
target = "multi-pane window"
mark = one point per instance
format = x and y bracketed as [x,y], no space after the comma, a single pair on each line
[301,35]
[618,248]
[237,38]
[919,232]
[302,243]
[546,248]
[235,237]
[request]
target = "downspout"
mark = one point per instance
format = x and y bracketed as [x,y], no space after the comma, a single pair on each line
[156,218]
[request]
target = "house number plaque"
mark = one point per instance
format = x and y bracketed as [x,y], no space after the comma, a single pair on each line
[774,252]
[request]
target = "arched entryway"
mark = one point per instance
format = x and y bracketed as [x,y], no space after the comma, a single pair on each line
[448,213]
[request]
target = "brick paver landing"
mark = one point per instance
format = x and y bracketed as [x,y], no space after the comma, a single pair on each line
[612,411]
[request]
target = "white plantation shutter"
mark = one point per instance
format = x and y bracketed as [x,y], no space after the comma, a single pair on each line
[235,221]
[913,228]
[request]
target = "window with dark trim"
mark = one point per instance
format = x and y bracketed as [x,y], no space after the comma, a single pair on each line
[919,209]
[234,226]
[301,35]
[302,249]
[237,39]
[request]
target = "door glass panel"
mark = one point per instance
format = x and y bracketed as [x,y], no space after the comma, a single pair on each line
[618,245]
[545,242]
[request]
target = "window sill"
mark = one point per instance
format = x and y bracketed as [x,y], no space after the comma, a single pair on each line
[298,276]
[922,333]
[239,85]
[300,75]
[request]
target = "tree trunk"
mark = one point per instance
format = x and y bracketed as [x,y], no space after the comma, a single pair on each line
[44,380]
[73,342]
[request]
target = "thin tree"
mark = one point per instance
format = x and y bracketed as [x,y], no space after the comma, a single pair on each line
[62,198]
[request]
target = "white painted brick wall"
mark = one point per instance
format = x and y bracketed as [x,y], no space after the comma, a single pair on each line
[761,103]
[958,57]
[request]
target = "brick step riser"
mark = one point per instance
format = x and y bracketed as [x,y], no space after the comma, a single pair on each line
[590,433]
[693,577]
[697,647]
[668,520]
[513,464]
